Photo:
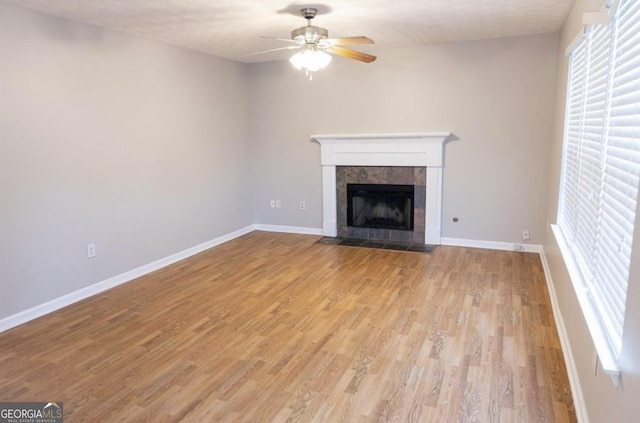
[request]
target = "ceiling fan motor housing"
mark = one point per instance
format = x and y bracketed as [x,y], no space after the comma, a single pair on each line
[309,34]
[308,12]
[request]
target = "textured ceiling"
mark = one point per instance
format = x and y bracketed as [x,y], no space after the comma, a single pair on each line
[232,28]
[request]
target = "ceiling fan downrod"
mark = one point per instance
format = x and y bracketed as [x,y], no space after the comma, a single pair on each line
[309,34]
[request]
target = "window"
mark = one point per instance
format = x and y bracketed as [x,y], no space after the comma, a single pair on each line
[601,172]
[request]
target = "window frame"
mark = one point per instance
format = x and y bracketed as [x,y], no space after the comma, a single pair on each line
[602,313]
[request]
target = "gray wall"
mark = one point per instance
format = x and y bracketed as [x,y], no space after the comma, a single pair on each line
[496,96]
[133,145]
[604,403]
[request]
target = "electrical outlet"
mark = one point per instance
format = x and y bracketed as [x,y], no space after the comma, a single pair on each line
[272,203]
[303,206]
[525,234]
[91,250]
[278,204]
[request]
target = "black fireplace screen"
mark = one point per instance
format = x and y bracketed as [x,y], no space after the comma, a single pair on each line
[380,206]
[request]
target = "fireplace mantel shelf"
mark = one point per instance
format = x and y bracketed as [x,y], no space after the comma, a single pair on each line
[404,149]
[390,137]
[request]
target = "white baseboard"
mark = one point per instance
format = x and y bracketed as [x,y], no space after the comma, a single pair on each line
[491,245]
[288,229]
[57,303]
[574,380]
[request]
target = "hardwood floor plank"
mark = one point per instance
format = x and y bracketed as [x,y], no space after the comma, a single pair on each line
[277,327]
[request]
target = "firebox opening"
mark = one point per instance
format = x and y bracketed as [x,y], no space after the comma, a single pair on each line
[380,206]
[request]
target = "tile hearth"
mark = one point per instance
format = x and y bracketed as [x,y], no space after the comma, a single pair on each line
[379,244]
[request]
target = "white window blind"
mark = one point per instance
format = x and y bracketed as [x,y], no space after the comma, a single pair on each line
[601,164]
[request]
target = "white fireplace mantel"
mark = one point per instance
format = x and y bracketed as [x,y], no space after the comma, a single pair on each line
[416,149]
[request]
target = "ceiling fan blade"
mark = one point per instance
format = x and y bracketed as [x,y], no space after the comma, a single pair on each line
[345,41]
[273,49]
[351,54]
[280,39]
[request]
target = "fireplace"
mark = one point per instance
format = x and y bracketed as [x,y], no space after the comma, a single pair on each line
[380,206]
[381,203]
[423,152]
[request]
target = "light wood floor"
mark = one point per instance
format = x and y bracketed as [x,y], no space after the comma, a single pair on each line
[275,327]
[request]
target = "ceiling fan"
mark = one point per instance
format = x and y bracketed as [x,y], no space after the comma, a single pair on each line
[315,44]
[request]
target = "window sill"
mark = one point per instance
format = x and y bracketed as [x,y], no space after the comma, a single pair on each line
[608,360]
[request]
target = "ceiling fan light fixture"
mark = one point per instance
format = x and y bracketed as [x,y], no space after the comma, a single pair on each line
[314,44]
[311,60]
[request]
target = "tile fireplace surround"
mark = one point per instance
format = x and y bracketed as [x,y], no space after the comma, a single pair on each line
[423,150]
[399,175]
